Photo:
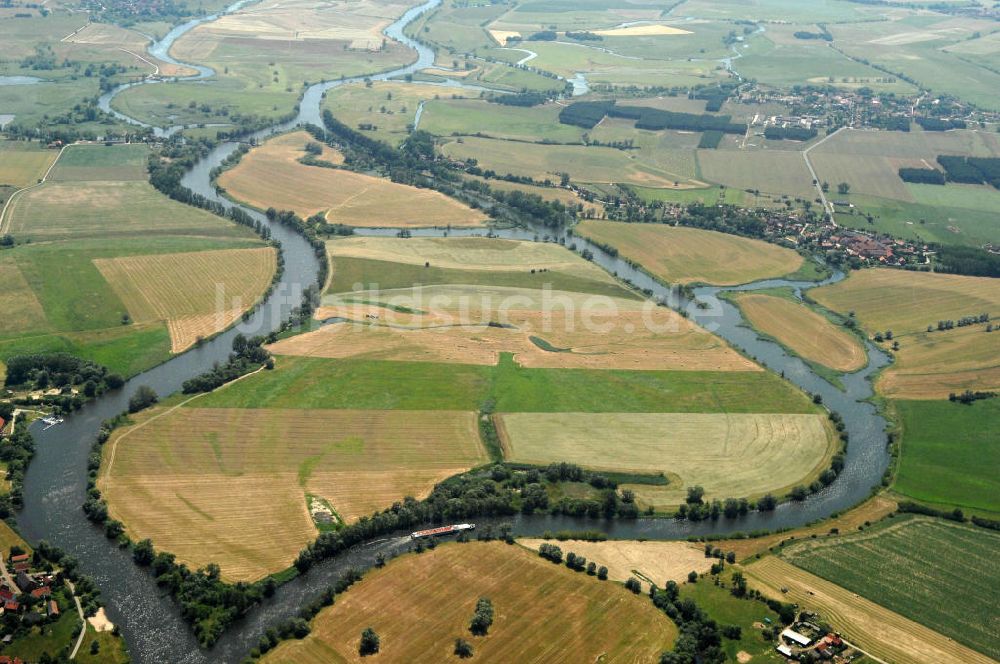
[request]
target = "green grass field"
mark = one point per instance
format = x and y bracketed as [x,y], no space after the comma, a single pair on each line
[99,162]
[469,116]
[939,573]
[726,609]
[301,382]
[950,453]
[950,214]
[111,648]
[48,638]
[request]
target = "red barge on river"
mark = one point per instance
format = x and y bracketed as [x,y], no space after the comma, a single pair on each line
[443,530]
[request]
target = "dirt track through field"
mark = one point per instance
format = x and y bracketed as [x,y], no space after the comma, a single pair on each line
[885,633]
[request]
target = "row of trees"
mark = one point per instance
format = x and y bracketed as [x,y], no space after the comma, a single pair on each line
[248,355]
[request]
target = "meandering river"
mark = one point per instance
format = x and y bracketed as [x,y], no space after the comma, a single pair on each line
[55,484]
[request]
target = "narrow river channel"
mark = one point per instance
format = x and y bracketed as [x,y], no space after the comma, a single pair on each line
[55,484]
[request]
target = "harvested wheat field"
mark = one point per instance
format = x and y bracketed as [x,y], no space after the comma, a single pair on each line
[229,485]
[929,365]
[659,561]
[501,36]
[271,176]
[197,293]
[933,365]
[876,629]
[807,333]
[907,302]
[649,30]
[730,455]
[693,255]
[657,339]
[544,613]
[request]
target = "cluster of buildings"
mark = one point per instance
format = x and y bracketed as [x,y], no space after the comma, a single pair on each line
[806,641]
[26,595]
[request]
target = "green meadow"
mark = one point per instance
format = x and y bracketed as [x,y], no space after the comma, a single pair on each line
[303,382]
[950,453]
[385,275]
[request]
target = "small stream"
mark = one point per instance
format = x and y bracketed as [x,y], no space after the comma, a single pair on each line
[55,484]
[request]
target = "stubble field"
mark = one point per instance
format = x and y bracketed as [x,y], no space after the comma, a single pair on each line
[806,332]
[270,176]
[730,455]
[929,364]
[659,561]
[229,485]
[692,255]
[419,604]
[196,294]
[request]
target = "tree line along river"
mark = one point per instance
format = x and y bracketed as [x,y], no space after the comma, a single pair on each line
[55,484]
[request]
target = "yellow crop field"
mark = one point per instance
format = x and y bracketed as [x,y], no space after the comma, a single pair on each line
[23,164]
[659,561]
[419,604]
[933,365]
[883,633]
[270,176]
[608,338]
[648,30]
[692,255]
[229,485]
[806,332]
[929,365]
[196,293]
[907,302]
[730,455]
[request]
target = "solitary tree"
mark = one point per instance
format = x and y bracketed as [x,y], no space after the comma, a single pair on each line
[370,643]
[463,648]
[843,188]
